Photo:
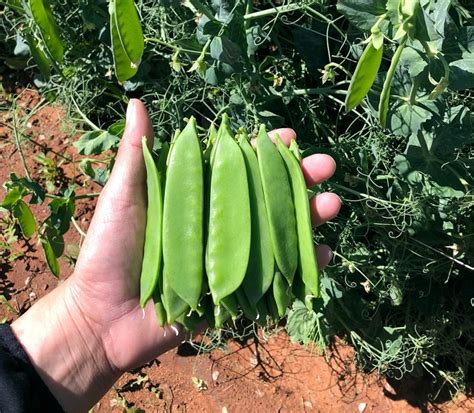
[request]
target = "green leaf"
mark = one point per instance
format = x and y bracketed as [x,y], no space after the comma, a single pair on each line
[364,76]
[129,29]
[62,210]
[96,142]
[225,51]
[56,241]
[361,13]
[117,128]
[461,75]
[23,214]
[413,60]
[50,256]
[408,118]
[12,197]
[44,19]
[37,192]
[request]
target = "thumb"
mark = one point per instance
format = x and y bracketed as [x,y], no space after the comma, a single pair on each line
[129,169]
[115,236]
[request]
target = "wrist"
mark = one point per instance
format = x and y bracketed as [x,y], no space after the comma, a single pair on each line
[66,350]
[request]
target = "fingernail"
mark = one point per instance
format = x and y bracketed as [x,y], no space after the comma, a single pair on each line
[131,112]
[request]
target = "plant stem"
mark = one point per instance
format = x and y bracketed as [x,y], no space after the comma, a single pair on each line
[275,10]
[78,228]
[83,196]
[366,196]
[170,46]
[18,145]
[84,117]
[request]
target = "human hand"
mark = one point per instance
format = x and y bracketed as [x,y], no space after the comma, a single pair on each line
[91,329]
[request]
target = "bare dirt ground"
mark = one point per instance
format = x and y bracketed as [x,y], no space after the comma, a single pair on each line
[262,374]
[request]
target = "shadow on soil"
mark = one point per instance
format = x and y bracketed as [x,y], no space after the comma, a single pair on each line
[423,393]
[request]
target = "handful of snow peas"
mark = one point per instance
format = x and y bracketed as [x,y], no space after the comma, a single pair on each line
[228,229]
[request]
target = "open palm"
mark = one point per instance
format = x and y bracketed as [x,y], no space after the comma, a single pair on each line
[105,284]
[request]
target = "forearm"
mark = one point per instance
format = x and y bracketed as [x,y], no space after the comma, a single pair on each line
[66,350]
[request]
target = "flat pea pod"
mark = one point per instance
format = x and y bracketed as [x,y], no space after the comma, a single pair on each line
[272,307]
[279,204]
[173,304]
[262,312]
[183,216]
[190,321]
[43,17]
[248,309]
[231,305]
[228,243]
[221,316]
[151,263]
[281,293]
[158,302]
[302,293]
[308,267]
[260,269]
[364,75]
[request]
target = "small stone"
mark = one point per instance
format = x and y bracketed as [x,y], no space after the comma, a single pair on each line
[308,404]
[32,296]
[215,375]
[362,407]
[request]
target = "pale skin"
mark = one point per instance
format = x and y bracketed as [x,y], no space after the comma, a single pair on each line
[83,335]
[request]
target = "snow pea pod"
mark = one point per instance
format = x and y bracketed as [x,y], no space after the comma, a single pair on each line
[272,307]
[279,204]
[281,294]
[221,315]
[308,266]
[249,310]
[158,301]
[183,216]
[364,75]
[228,243]
[231,305]
[174,305]
[152,248]
[260,269]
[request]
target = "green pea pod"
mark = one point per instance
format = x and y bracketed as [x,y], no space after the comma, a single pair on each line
[281,293]
[272,307]
[307,263]
[43,17]
[260,269]
[211,141]
[190,321]
[231,305]
[262,312]
[174,305]
[228,243]
[221,316]
[208,307]
[183,217]
[302,293]
[152,248]
[249,310]
[158,302]
[364,75]
[279,203]
[387,84]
